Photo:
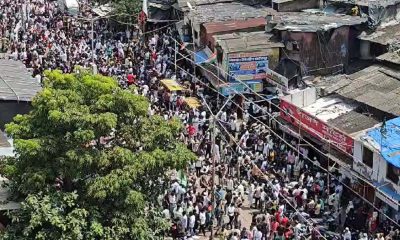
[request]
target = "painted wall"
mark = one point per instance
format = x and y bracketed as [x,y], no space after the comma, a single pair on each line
[319,53]
[378,171]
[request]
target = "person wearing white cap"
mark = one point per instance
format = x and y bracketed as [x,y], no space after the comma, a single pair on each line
[346,234]
[363,236]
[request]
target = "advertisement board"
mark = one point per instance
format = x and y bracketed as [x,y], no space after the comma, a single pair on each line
[316,127]
[278,80]
[247,66]
[234,88]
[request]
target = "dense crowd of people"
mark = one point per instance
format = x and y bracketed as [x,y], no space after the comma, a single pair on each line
[290,197]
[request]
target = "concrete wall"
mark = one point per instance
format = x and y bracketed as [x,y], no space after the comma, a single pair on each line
[295,5]
[302,98]
[379,170]
[319,53]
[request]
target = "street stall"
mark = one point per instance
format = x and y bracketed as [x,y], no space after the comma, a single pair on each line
[192,102]
[172,85]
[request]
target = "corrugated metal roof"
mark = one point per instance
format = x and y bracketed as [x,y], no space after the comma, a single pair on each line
[391,57]
[246,41]
[376,86]
[353,121]
[221,12]
[314,21]
[233,25]
[383,3]
[16,83]
[383,35]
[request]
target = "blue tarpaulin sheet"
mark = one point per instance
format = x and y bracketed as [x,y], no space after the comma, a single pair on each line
[389,141]
[200,57]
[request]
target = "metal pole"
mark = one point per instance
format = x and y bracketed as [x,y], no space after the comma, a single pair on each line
[213,155]
[327,177]
[176,49]
[194,51]
[92,23]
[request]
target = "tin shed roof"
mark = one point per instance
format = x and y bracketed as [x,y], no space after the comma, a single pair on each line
[376,86]
[16,83]
[246,41]
[233,25]
[314,21]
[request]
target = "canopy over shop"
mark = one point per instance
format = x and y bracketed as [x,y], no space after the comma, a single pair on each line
[192,102]
[172,85]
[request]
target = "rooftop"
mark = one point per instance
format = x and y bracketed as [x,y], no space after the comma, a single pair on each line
[315,21]
[384,35]
[376,86]
[366,3]
[387,140]
[234,25]
[16,83]
[246,41]
[341,113]
[221,12]
[328,108]
[353,122]
[390,57]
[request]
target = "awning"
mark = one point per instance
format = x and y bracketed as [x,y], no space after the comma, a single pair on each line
[389,196]
[172,85]
[192,102]
[203,56]
[200,57]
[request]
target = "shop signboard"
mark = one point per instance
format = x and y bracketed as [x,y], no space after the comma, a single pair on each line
[316,127]
[238,87]
[247,66]
[278,80]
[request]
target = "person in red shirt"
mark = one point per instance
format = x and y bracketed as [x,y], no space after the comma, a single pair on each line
[278,216]
[274,227]
[131,79]
[191,130]
[154,56]
[285,221]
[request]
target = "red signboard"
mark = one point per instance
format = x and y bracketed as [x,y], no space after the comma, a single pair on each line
[316,127]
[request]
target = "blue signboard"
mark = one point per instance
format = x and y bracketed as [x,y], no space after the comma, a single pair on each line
[238,87]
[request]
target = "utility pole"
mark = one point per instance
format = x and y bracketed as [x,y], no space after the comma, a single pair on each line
[92,23]
[213,155]
[176,54]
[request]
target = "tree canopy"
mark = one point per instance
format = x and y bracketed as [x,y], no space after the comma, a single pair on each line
[127,10]
[90,163]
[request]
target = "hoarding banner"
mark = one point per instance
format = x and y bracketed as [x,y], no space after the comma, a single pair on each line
[247,66]
[234,88]
[277,79]
[316,127]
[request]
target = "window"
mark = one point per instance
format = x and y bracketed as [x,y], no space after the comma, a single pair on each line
[368,157]
[392,173]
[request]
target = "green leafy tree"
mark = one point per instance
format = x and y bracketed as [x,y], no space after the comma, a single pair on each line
[90,162]
[126,10]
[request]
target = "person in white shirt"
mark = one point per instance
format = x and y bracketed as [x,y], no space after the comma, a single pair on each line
[192,222]
[184,221]
[202,219]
